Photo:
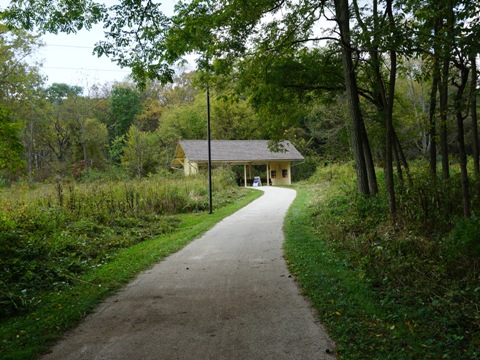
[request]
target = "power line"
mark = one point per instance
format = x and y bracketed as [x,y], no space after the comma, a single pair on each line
[70,46]
[84,69]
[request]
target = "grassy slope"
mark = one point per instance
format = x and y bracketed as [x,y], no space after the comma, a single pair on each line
[344,303]
[362,324]
[27,336]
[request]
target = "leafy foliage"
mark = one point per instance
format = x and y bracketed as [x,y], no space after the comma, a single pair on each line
[11,147]
[48,16]
[141,152]
[125,104]
[58,92]
[137,40]
[387,290]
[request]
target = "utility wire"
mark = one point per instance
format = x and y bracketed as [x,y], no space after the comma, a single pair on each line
[80,69]
[70,46]
[84,69]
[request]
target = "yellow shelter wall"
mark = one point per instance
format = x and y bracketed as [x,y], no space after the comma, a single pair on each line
[280,173]
[190,168]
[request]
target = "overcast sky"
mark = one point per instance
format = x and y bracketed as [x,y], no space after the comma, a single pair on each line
[69,59]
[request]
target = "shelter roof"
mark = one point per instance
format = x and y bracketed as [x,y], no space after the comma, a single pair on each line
[236,151]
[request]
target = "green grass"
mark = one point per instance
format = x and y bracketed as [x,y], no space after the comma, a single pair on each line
[28,335]
[345,304]
[382,291]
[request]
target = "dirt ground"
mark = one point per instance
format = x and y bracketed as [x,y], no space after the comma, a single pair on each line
[227,295]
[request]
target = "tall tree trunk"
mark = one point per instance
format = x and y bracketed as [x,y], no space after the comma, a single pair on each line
[343,20]
[85,156]
[392,204]
[433,125]
[473,111]
[30,151]
[398,165]
[448,40]
[433,99]
[82,122]
[443,120]
[402,157]
[458,104]
[369,163]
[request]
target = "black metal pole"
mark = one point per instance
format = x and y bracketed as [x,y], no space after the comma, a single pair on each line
[209,153]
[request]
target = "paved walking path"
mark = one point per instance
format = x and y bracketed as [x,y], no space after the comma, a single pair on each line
[227,295]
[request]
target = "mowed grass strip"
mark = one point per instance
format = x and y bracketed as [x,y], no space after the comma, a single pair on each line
[346,304]
[29,335]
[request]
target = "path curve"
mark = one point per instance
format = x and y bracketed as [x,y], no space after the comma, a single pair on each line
[227,295]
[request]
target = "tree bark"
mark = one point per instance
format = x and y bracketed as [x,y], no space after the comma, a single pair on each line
[433,98]
[444,92]
[458,104]
[369,163]
[392,204]
[343,18]
[433,126]
[83,123]
[474,117]
[402,157]
[398,165]
[30,150]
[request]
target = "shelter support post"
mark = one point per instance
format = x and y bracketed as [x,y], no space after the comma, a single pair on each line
[268,174]
[245,174]
[289,173]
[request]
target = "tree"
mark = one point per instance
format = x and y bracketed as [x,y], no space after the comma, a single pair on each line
[381,37]
[87,129]
[125,104]
[183,122]
[60,133]
[11,149]
[140,156]
[235,120]
[20,88]
[34,113]
[69,129]
[57,93]
[17,75]
[148,118]
[142,38]
[473,114]
[228,35]
[358,133]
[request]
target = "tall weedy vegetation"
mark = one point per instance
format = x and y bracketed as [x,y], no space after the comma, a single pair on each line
[52,233]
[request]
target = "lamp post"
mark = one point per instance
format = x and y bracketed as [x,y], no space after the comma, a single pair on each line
[209,152]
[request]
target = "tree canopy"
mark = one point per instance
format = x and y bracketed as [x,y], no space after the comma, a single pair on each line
[282,56]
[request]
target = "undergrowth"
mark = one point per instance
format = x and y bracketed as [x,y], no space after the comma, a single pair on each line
[52,234]
[408,290]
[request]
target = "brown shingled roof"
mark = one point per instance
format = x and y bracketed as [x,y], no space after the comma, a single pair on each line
[237,151]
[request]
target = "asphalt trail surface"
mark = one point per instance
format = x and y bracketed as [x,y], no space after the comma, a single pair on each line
[227,295]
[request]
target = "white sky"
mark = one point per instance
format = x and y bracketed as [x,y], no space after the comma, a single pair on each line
[69,58]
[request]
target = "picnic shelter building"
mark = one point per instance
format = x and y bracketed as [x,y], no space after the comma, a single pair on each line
[191,154]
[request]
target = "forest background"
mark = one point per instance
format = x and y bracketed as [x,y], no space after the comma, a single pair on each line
[389,88]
